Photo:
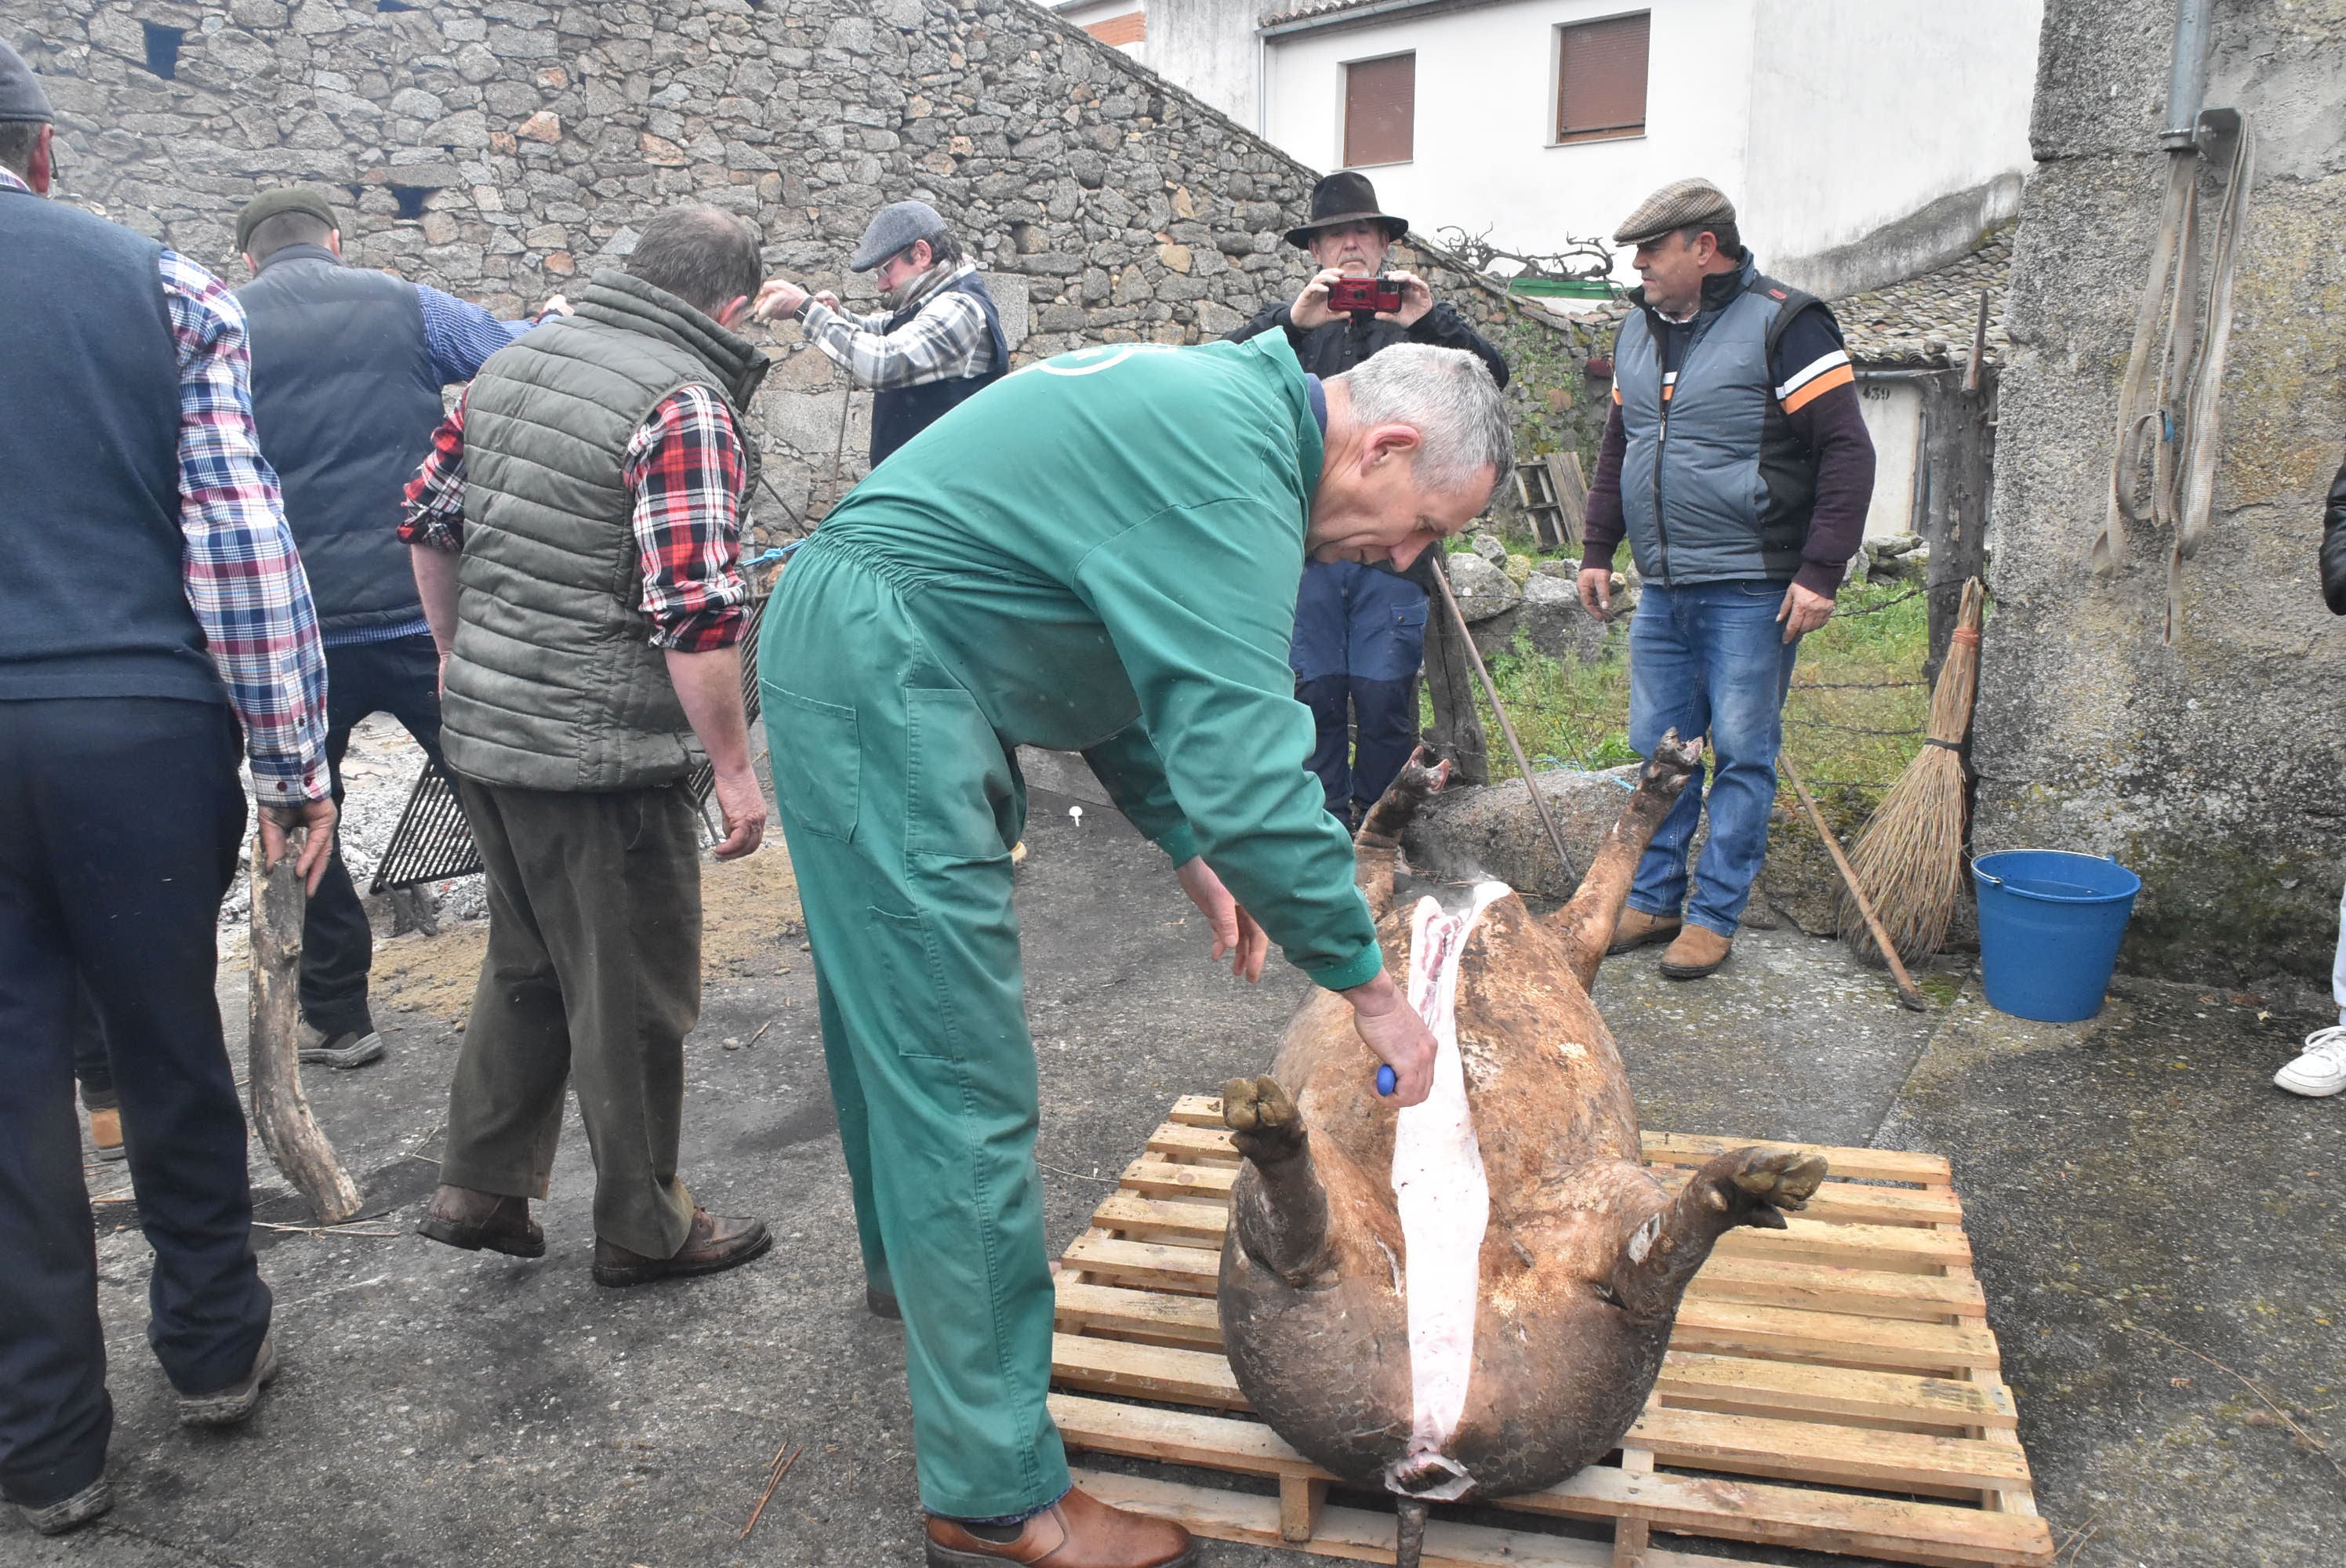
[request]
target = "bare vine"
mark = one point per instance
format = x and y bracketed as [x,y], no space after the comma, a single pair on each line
[1581,260]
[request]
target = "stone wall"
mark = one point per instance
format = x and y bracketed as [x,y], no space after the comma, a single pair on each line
[2212,767]
[502,149]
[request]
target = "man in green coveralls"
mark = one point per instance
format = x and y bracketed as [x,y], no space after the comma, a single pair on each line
[1100,553]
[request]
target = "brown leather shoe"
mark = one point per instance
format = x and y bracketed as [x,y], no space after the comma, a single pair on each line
[1076,1531]
[713,1245]
[1697,952]
[106,1134]
[462,1217]
[1638,929]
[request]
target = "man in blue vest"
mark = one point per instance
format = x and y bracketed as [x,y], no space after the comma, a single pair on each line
[1737,462]
[939,340]
[347,368]
[154,624]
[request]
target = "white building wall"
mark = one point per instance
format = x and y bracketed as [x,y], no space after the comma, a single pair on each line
[1210,47]
[1893,418]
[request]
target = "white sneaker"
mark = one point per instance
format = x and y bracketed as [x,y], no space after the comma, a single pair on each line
[2322,1070]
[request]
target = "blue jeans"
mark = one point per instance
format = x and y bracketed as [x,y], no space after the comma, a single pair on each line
[1360,636]
[1711,658]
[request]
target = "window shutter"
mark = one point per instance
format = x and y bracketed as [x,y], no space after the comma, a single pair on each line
[1380,110]
[1601,79]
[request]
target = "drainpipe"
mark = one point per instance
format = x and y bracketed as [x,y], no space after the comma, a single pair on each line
[2186,87]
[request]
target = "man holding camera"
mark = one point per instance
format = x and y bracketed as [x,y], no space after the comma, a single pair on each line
[1360,630]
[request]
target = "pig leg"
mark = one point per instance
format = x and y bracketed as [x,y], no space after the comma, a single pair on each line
[1377,846]
[1586,922]
[1282,1214]
[1745,1187]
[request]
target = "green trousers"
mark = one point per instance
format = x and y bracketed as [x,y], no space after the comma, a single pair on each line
[902,804]
[592,977]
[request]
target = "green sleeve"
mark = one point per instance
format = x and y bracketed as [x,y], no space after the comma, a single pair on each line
[1199,601]
[1128,767]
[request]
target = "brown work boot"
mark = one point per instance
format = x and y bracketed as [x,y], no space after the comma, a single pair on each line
[1697,951]
[1638,929]
[1076,1531]
[106,1134]
[473,1220]
[711,1247]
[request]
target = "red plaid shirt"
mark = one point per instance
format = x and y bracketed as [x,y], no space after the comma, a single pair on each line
[685,467]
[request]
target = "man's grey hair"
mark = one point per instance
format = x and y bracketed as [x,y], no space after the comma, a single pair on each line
[1448,397]
[704,255]
[17,140]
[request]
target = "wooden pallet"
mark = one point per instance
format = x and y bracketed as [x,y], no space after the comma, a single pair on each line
[1831,1387]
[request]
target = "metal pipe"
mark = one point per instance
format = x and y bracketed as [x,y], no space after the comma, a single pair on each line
[2187,86]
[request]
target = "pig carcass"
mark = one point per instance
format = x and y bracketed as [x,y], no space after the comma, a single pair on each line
[1470,1296]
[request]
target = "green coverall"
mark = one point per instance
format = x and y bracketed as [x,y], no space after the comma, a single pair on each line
[1099,554]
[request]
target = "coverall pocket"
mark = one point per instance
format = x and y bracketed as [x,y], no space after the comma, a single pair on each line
[963,800]
[818,761]
[909,987]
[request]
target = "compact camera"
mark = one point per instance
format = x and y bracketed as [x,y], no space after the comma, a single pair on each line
[1363,296]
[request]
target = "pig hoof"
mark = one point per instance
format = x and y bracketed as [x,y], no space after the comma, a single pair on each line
[1263,1120]
[1673,757]
[1772,1180]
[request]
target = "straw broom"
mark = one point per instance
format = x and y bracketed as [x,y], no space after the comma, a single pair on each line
[1910,857]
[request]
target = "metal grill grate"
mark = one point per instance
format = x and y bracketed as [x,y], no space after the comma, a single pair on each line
[432,841]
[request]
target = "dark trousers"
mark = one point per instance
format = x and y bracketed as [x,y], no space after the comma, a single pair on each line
[593,977]
[1360,636]
[120,819]
[93,1070]
[400,678]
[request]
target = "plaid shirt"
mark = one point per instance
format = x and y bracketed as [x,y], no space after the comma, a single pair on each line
[947,340]
[685,467]
[243,579]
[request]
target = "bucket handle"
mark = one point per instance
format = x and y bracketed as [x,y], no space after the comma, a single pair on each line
[1993,881]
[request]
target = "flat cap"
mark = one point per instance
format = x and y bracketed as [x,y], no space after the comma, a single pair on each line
[284,199]
[21,98]
[900,223]
[1681,204]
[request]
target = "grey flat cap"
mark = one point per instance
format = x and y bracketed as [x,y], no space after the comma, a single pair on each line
[285,198]
[900,223]
[1681,204]
[21,98]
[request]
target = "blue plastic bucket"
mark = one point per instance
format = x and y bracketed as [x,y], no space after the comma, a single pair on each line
[2049,926]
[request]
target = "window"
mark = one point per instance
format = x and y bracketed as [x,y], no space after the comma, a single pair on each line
[1132,27]
[1380,109]
[1600,78]
[163,48]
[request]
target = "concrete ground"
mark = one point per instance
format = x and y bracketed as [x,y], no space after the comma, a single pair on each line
[2136,1188]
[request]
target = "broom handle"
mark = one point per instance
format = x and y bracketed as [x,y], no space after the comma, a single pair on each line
[1491,690]
[1906,992]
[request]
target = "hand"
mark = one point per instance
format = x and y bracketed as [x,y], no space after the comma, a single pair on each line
[1311,307]
[826,299]
[1389,1026]
[556,305]
[1595,586]
[1235,931]
[315,820]
[1416,300]
[778,297]
[743,806]
[1804,610]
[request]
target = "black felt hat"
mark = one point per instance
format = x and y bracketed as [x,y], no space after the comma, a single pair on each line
[1344,198]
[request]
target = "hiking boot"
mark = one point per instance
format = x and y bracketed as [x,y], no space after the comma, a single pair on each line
[1638,929]
[2321,1070]
[105,1133]
[82,1507]
[348,1049]
[232,1404]
[474,1220]
[712,1245]
[1076,1531]
[1697,951]
[882,1304]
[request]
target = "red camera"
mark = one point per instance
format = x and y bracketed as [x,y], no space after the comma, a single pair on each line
[1363,296]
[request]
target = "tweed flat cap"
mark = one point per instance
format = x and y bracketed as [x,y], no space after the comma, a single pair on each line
[21,98]
[1681,204]
[900,223]
[284,199]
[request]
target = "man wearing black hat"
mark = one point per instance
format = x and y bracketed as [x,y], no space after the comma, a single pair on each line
[347,368]
[1359,631]
[939,342]
[152,602]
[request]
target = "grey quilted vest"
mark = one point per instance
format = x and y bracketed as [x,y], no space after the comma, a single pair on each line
[1714,485]
[554,683]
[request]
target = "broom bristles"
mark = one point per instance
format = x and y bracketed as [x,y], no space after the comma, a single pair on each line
[1909,857]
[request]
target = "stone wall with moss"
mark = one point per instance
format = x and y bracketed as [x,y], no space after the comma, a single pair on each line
[2212,767]
[503,148]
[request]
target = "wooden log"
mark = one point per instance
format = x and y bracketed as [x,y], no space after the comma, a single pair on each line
[288,1130]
